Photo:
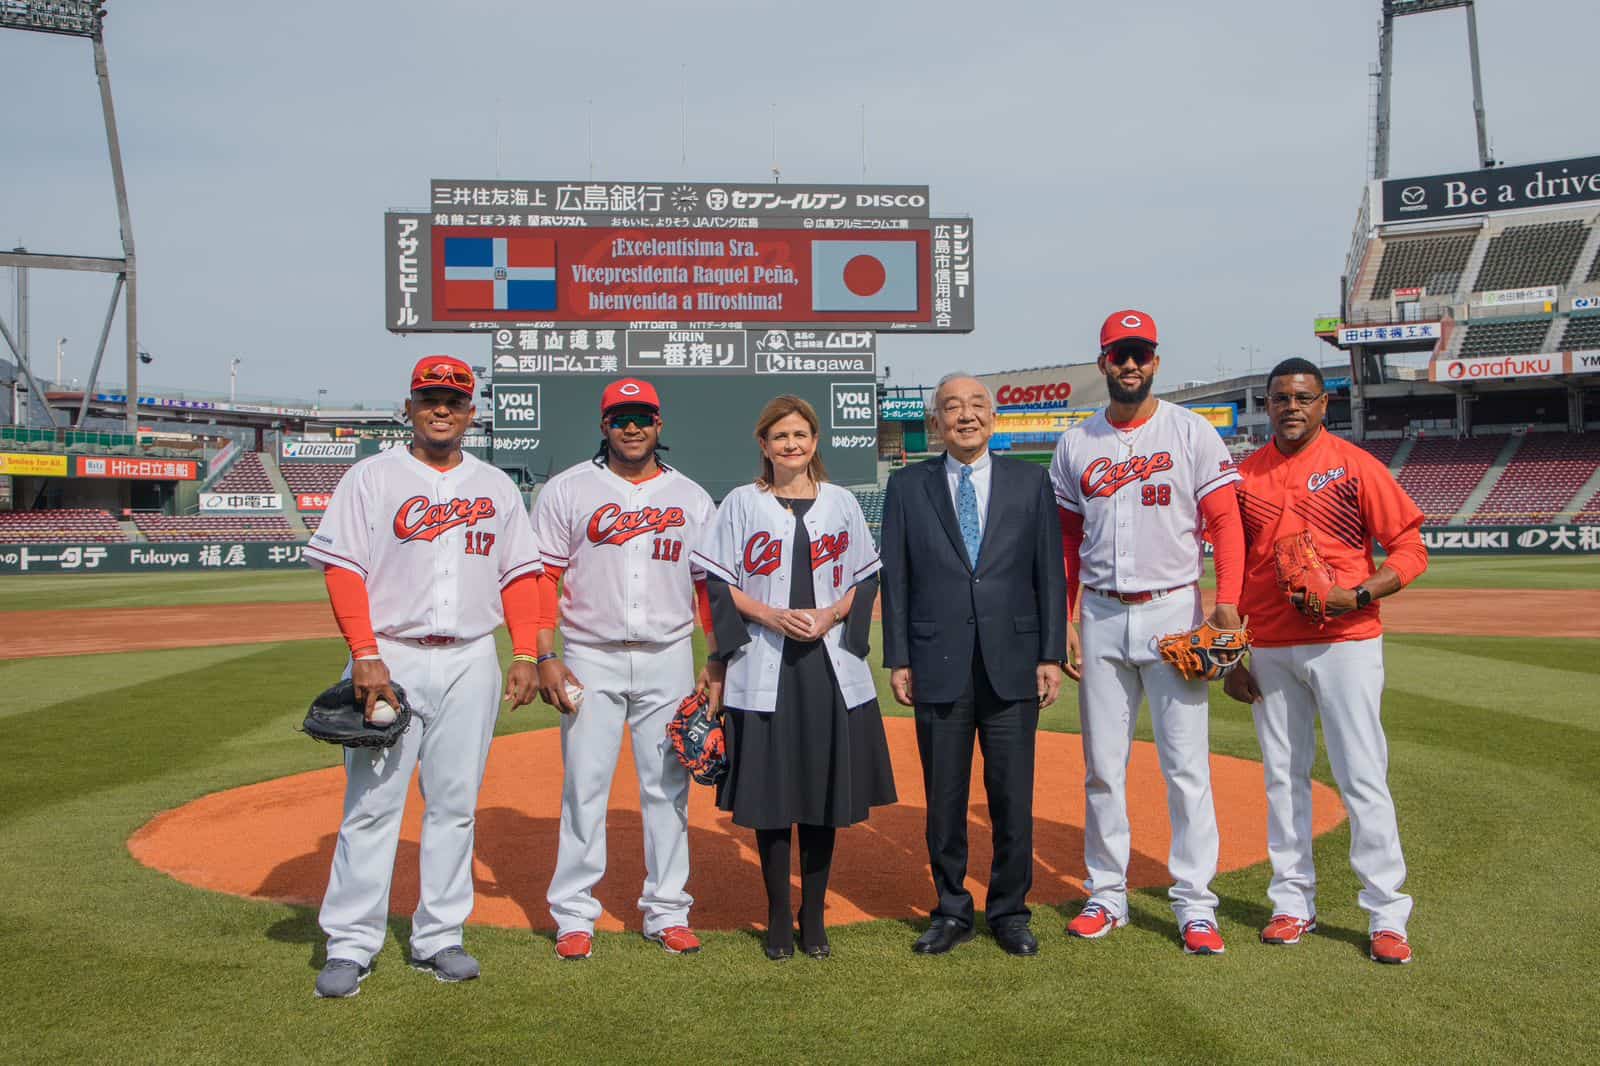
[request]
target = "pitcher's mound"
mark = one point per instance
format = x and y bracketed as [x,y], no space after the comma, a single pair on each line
[275,840]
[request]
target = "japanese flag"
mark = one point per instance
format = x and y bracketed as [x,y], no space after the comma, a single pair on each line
[864,275]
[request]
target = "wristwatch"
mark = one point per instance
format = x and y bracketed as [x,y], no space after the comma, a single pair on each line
[1363,596]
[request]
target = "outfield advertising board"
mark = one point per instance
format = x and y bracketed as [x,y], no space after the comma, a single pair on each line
[1477,192]
[124,469]
[301,449]
[241,501]
[199,557]
[1512,540]
[25,464]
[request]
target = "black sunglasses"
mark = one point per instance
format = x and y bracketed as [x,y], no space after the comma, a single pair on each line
[1142,355]
[637,419]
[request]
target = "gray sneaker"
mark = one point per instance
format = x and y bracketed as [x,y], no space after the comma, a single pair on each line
[451,964]
[341,979]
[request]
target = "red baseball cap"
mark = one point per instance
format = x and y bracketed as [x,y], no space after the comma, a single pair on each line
[443,372]
[1127,325]
[629,392]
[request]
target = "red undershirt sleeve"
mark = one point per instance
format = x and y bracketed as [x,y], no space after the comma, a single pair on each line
[1071,547]
[550,596]
[1226,533]
[702,602]
[347,593]
[521,603]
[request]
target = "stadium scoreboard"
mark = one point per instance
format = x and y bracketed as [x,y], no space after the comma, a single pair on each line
[723,295]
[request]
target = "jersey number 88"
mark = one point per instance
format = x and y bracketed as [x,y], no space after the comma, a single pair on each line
[1156,495]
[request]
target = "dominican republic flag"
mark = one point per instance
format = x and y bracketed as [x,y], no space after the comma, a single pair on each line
[863,275]
[499,274]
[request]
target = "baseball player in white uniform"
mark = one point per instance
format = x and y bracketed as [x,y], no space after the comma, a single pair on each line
[619,530]
[1134,483]
[426,550]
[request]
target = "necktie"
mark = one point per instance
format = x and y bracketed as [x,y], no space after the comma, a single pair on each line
[967,514]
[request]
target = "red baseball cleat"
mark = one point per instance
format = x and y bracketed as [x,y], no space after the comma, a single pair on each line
[1390,947]
[1287,929]
[570,947]
[1094,922]
[1201,937]
[676,939]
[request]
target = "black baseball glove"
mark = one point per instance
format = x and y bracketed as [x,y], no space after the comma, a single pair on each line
[337,717]
[697,739]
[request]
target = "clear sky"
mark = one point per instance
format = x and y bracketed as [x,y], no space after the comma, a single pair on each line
[1201,161]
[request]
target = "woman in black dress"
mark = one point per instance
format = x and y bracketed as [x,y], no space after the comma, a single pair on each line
[791,571]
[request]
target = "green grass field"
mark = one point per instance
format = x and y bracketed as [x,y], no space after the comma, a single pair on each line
[1494,746]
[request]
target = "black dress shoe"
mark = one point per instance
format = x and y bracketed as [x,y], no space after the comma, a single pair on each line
[780,954]
[1017,939]
[942,936]
[820,951]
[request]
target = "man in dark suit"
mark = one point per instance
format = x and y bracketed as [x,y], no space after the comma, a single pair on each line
[974,631]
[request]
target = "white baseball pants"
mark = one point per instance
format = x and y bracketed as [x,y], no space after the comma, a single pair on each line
[1121,665]
[640,687]
[455,692]
[1343,682]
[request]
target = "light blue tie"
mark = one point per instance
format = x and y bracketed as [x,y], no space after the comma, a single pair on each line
[967,514]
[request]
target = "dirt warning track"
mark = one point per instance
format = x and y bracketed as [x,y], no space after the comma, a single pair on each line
[33,634]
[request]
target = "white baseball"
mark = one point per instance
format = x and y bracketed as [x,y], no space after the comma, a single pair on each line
[575,694]
[382,713]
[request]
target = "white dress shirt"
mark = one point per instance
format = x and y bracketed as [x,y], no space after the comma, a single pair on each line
[980,484]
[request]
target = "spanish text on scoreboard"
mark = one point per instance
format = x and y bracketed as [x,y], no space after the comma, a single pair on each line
[694,285]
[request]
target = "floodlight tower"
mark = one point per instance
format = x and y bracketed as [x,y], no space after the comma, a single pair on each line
[1393,9]
[83,18]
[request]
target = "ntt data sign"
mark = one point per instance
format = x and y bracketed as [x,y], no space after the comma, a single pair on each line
[1496,368]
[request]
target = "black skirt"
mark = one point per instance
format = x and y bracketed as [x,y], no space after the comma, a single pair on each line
[813,761]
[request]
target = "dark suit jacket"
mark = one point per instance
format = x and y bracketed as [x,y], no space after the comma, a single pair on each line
[937,609]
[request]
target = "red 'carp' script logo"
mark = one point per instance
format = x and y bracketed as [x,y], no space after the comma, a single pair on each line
[828,547]
[1103,477]
[610,524]
[421,519]
[762,554]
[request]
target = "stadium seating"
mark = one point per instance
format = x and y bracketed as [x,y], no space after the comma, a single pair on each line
[72,526]
[1440,473]
[204,527]
[1594,270]
[313,477]
[247,474]
[1540,480]
[1430,263]
[312,521]
[1590,511]
[1581,334]
[1488,337]
[1542,254]
[1383,450]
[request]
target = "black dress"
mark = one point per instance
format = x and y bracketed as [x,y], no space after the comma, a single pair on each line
[812,761]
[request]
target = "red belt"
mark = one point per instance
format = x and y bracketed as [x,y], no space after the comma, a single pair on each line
[435,642]
[1137,597]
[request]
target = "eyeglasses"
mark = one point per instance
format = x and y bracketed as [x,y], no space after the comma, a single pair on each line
[1142,355]
[1299,399]
[445,374]
[636,419]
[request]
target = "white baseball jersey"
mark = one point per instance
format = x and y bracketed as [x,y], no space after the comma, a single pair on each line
[750,548]
[625,546]
[435,547]
[1139,491]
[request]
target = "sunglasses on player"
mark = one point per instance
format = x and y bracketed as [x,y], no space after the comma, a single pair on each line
[445,374]
[636,419]
[1141,354]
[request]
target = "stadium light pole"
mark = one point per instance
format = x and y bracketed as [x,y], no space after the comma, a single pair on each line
[61,342]
[233,378]
[84,18]
[1393,9]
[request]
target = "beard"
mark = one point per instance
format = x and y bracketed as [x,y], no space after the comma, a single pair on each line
[1121,395]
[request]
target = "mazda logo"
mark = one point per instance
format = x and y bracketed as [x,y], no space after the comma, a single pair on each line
[1413,195]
